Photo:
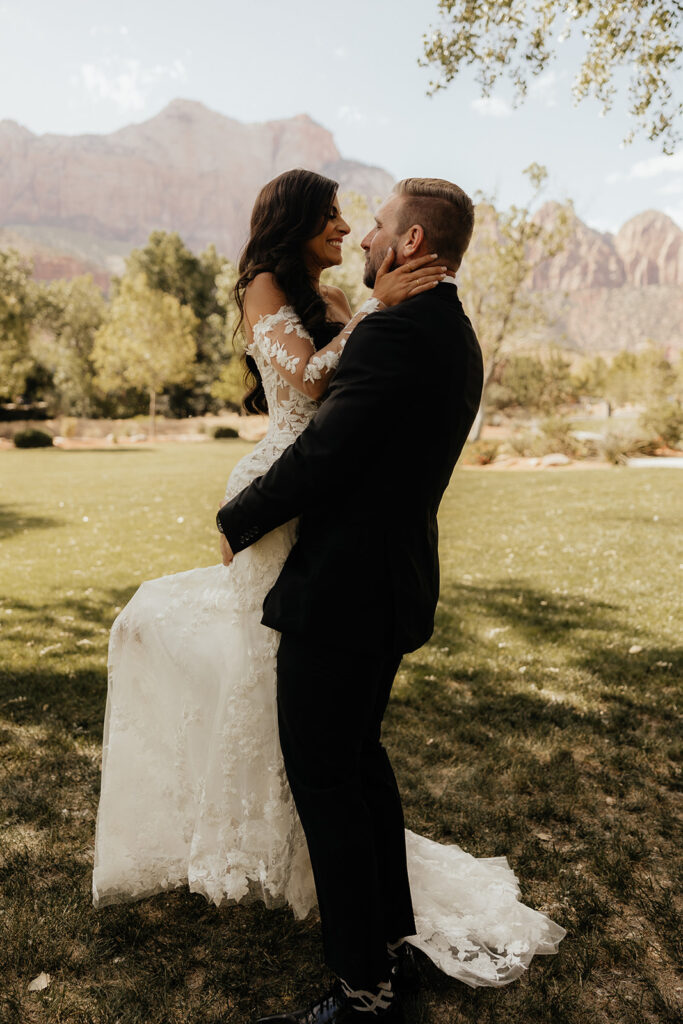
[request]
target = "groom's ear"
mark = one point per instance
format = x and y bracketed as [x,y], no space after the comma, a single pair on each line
[413,239]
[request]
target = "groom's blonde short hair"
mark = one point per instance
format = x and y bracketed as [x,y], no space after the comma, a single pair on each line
[444,211]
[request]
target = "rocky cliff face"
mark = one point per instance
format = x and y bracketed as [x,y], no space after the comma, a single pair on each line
[650,247]
[647,250]
[588,259]
[188,169]
[609,292]
[79,204]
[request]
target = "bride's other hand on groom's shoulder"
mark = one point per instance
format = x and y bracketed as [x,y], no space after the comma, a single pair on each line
[226,551]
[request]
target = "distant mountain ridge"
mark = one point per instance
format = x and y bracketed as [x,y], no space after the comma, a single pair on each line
[188,169]
[79,204]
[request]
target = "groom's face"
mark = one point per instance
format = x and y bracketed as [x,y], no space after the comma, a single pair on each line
[379,238]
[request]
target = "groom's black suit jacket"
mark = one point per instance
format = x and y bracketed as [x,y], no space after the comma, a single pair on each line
[366,477]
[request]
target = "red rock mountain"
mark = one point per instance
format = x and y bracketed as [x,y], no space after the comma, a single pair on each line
[78,204]
[188,169]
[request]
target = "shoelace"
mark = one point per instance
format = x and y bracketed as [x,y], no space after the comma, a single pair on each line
[370,1002]
[328,1003]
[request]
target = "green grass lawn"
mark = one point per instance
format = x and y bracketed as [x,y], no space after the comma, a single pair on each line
[540,722]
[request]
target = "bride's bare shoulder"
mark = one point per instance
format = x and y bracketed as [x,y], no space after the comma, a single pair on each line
[263,295]
[337,302]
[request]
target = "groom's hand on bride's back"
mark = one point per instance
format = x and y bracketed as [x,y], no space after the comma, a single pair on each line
[226,551]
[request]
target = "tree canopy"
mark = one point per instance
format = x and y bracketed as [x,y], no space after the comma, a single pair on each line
[69,315]
[17,311]
[507,246]
[170,267]
[519,38]
[147,341]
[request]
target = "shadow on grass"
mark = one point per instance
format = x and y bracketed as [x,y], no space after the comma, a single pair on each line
[498,762]
[119,450]
[66,690]
[14,520]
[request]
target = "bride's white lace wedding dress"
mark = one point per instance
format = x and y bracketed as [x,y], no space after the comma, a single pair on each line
[193,786]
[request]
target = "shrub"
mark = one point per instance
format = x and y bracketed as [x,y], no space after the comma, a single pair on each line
[481,453]
[527,444]
[223,432]
[32,438]
[557,436]
[616,448]
[665,419]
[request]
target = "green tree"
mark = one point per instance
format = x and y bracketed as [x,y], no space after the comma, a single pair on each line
[518,38]
[590,378]
[507,247]
[229,388]
[623,384]
[146,342]
[657,376]
[17,315]
[70,314]
[170,267]
[533,383]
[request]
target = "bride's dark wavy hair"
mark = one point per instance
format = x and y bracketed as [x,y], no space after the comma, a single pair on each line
[288,211]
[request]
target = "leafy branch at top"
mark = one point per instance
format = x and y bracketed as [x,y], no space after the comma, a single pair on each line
[518,38]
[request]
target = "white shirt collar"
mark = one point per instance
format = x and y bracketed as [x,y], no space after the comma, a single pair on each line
[449,280]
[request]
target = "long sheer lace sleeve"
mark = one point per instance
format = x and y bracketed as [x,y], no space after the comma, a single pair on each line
[284,342]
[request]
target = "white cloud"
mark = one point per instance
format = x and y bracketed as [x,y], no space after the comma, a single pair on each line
[544,88]
[652,168]
[126,82]
[673,188]
[352,114]
[341,53]
[657,165]
[491,106]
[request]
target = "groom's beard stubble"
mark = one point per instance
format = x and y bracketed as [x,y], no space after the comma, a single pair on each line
[373,265]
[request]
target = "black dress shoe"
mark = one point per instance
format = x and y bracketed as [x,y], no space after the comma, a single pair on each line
[335,1008]
[405,976]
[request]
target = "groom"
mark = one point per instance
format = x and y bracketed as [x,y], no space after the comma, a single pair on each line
[360,587]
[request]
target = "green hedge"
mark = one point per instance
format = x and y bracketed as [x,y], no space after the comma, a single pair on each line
[32,439]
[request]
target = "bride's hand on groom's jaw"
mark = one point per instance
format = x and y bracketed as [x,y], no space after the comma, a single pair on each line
[418,275]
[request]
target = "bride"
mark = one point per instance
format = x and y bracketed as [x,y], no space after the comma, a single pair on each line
[193,787]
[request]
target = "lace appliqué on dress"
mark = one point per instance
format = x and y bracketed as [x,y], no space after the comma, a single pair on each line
[193,785]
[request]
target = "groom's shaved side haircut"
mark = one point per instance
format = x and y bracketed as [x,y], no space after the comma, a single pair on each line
[444,211]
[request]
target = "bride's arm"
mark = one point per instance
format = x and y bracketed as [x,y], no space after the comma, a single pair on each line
[282,337]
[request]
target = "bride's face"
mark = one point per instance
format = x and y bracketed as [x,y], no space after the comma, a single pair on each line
[325,248]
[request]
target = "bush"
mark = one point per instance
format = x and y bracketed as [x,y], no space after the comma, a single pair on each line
[481,453]
[558,436]
[554,436]
[616,448]
[222,432]
[527,444]
[32,439]
[665,419]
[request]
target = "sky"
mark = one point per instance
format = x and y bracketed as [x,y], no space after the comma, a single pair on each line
[77,66]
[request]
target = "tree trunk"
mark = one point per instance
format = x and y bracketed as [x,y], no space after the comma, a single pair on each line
[480,418]
[152,413]
[475,432]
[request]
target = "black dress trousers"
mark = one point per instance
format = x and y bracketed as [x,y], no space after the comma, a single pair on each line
[331,703]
